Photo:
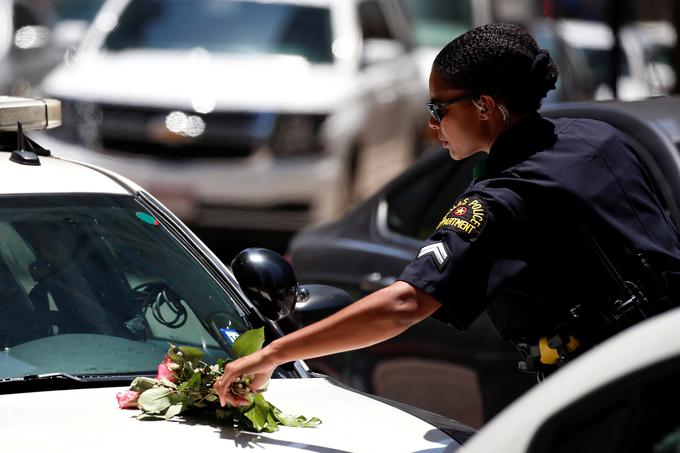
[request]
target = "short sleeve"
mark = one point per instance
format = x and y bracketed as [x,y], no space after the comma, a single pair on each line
[463,262]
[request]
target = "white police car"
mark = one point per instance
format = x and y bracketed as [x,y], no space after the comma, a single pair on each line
[622,396]
[96,277]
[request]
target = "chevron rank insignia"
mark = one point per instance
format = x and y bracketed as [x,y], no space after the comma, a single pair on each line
[439,252]
[467,217]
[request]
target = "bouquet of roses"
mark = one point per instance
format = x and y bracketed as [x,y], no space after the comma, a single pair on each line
[185,383]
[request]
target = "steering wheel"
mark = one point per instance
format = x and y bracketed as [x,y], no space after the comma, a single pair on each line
[70,316]
[160,298]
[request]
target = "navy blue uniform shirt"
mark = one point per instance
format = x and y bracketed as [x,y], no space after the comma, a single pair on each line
[512,242]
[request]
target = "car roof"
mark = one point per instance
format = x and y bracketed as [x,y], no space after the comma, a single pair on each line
[29,169]
[662,110]
[650,342]
[55,175]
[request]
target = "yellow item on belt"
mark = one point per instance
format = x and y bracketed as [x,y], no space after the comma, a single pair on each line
[549,355]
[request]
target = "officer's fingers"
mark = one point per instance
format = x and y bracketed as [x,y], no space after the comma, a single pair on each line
[260,380]
[222,386]
[226,396]
[233,400]
[218,388]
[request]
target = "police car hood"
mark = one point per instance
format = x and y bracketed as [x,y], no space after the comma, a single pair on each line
[89,420]
[201,81]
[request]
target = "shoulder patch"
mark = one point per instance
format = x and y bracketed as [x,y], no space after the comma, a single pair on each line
[467,217]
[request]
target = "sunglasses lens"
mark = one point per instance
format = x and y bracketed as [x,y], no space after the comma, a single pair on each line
[438,110]
[435,111]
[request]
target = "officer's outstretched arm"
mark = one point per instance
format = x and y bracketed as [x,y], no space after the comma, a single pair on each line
[375,318]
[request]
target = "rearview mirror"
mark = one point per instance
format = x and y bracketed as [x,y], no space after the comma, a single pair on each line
[269,282]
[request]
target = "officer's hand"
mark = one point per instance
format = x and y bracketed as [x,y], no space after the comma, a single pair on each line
[255,365]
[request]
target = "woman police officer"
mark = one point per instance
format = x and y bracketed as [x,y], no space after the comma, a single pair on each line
[552,228]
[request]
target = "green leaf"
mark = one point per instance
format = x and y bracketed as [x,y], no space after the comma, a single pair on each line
[194,381]
[172,354]
[185,399]
[257,413]
[145,416]
[250,341]
[164,382]
[191,354]
[155,400]
[142,384]
[187,371]
[272,424]
[174,409]
[297,422]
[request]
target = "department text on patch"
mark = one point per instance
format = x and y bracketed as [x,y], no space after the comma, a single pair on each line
[467,216]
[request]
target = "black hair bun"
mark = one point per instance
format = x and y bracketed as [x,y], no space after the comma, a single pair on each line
[544,72]
[501,60]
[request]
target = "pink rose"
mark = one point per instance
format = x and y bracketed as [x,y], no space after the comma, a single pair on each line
[164,372]
[127,400]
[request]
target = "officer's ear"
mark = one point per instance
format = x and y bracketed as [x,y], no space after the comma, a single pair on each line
[485,105]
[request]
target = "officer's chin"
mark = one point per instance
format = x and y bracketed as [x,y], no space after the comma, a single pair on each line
[453,152]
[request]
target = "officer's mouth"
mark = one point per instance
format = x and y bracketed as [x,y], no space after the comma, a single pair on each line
[444,143]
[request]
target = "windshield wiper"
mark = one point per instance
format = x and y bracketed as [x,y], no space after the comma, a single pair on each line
[51,376]
[64,381]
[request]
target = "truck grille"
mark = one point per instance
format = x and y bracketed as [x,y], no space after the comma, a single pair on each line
[143,131]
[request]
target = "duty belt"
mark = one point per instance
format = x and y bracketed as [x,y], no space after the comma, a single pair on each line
[587,325]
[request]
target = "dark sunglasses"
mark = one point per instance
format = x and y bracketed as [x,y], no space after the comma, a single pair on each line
[438,109]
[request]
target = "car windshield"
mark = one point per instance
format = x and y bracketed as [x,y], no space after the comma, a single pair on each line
[95,284]
[436,22]
[659,53]
[599,62]
[225,26]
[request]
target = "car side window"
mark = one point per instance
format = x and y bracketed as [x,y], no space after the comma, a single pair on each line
[373,21]
[416,207]
[638,413]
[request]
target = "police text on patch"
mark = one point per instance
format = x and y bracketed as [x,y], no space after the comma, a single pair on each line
[467,216]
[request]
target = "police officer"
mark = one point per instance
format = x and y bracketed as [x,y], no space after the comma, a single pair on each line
[560,237]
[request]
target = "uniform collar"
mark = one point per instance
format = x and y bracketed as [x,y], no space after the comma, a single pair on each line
[528,136]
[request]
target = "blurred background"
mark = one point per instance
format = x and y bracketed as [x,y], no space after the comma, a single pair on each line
[253,120]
